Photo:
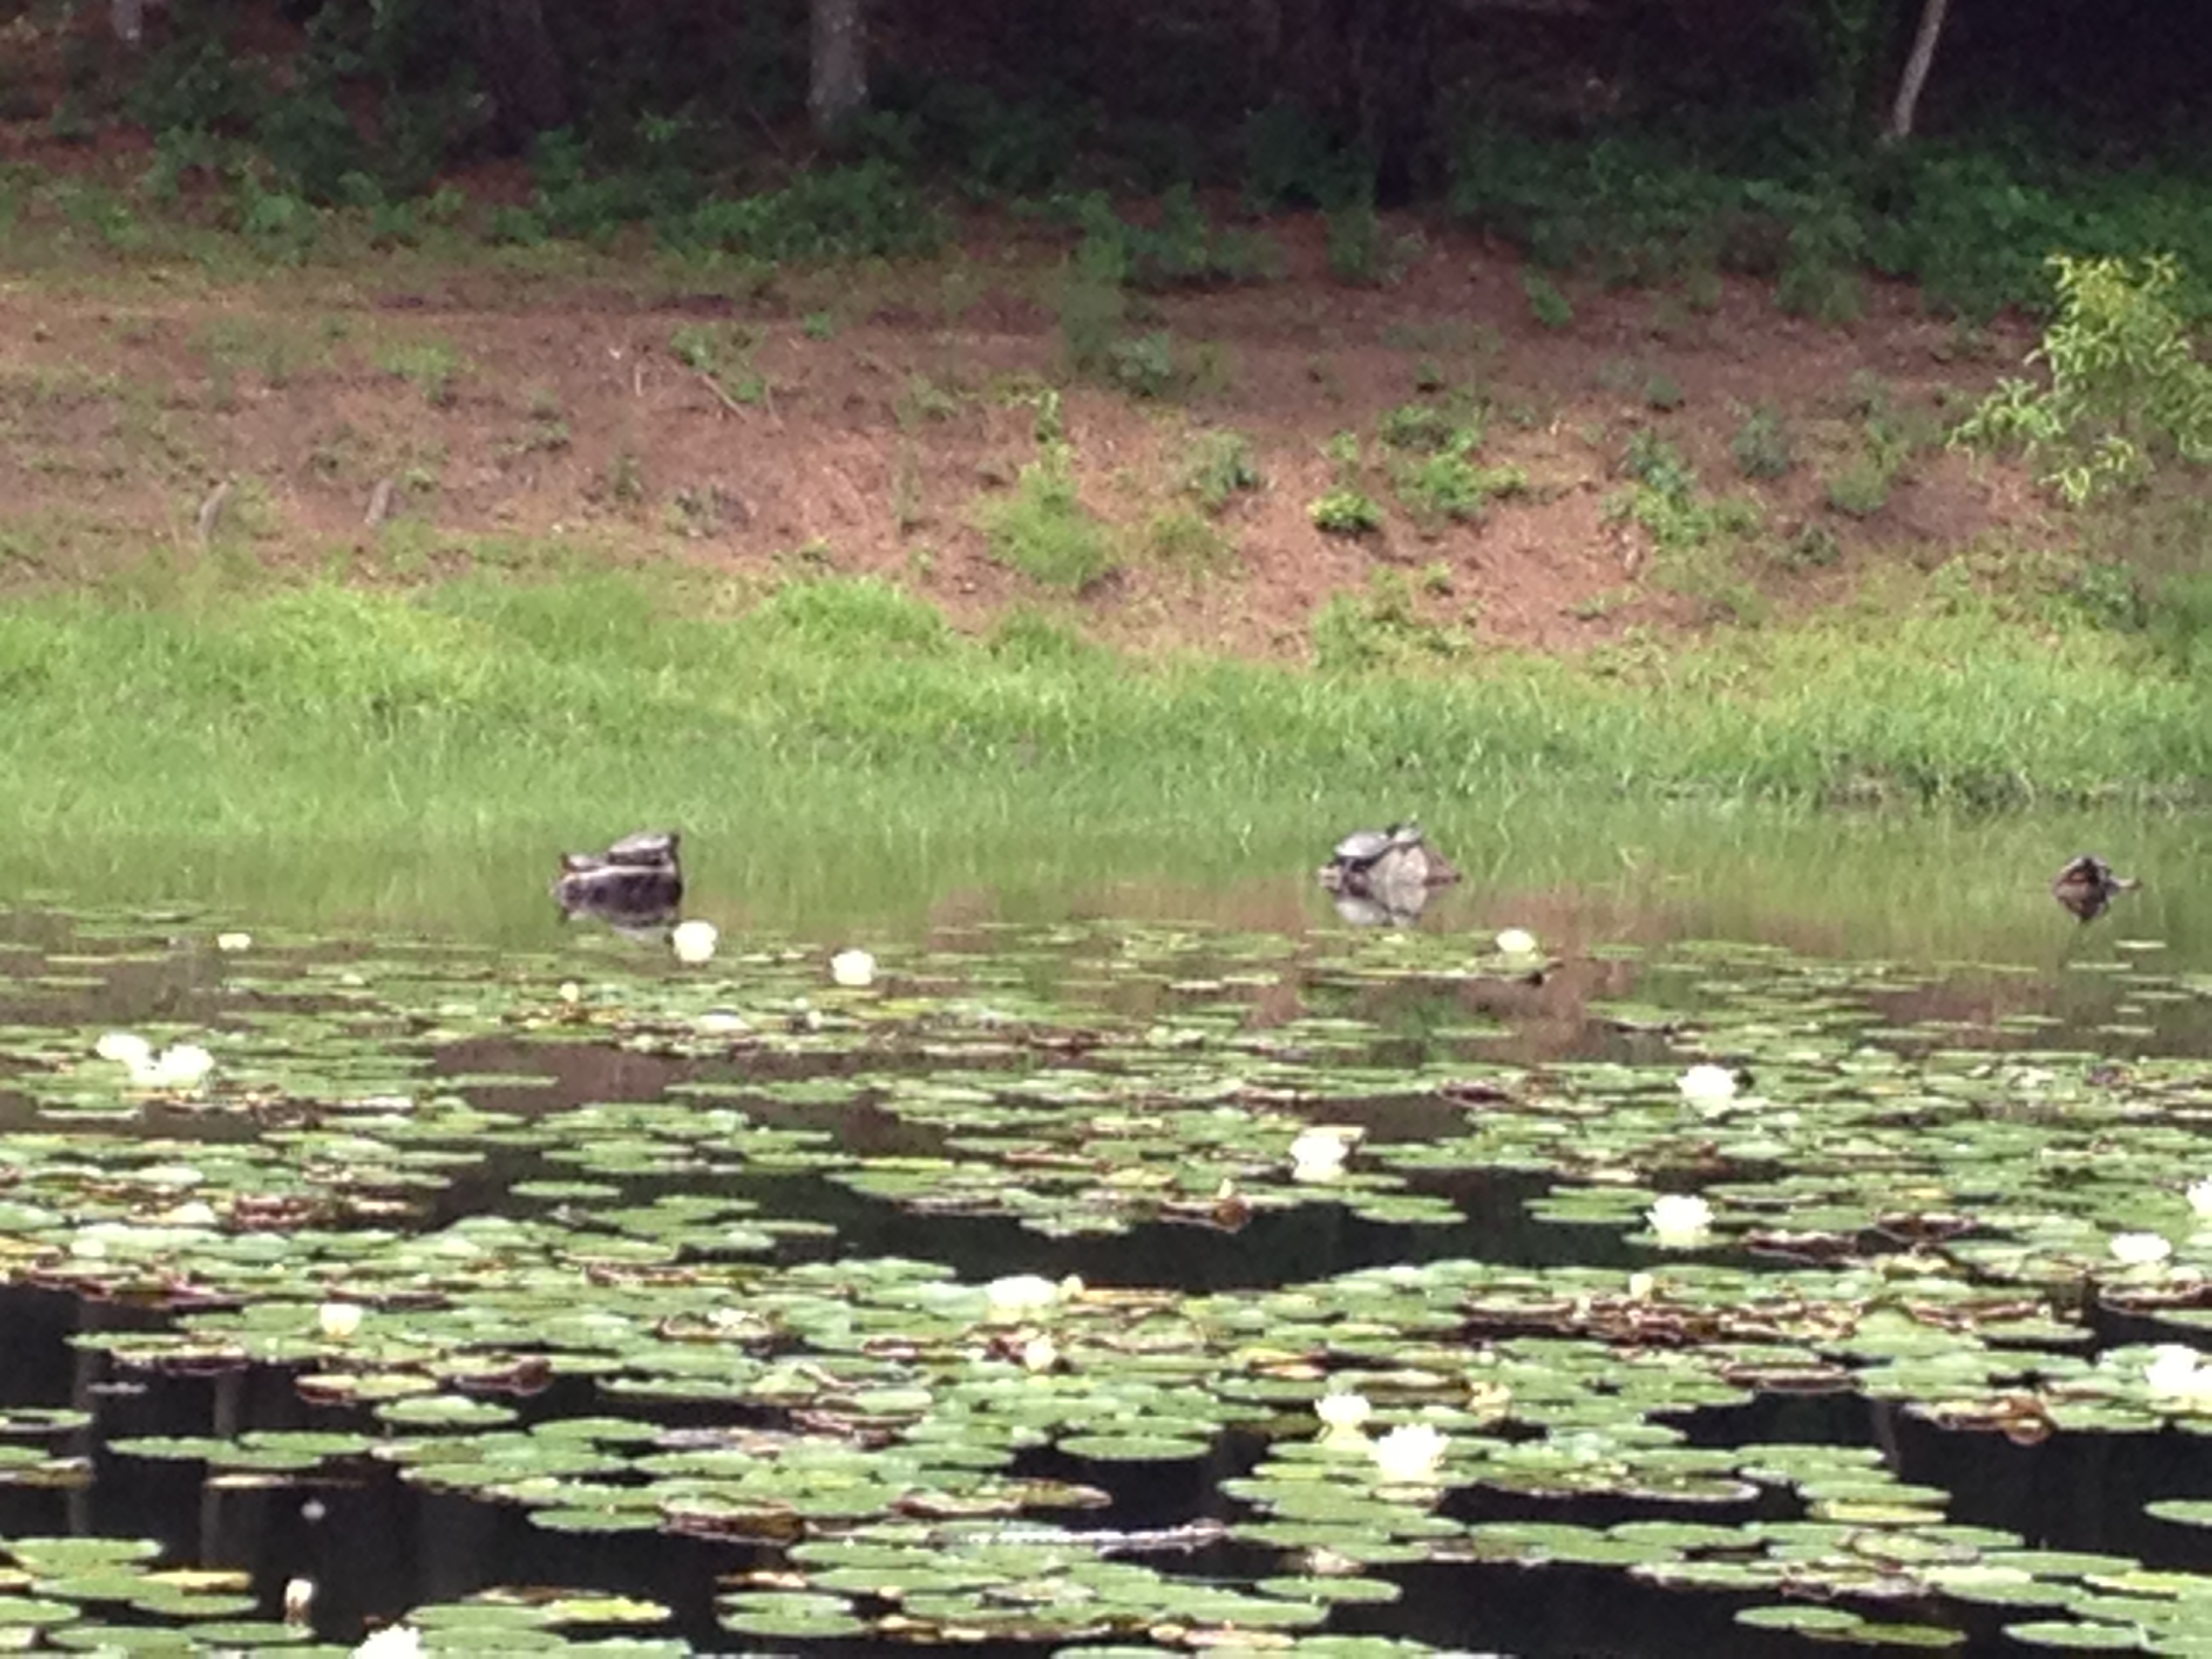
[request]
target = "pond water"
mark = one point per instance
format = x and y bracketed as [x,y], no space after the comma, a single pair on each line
[1801,1245]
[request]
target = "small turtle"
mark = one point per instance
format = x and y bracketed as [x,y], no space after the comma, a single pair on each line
[636,883]
[2087,886]
[1396,861]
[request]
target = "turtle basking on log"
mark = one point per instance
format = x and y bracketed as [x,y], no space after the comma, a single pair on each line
[636,883]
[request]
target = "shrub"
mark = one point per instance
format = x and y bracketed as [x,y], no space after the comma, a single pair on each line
[1044,530]
[2126,384]
[1346,511]
[1217,465]
[1761,446]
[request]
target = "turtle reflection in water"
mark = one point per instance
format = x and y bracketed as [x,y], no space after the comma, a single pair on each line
[2087,886]
[1378,876]
[636,883]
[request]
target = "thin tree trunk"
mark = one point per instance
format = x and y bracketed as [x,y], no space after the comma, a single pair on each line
[129,18]
[1916,66]
[837,79]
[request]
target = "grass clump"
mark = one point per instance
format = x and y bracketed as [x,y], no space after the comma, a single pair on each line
[1762,446]
[1356,633]
[1345,511]
[1217,466]
[433,367]
[1043,530]
[1188,540]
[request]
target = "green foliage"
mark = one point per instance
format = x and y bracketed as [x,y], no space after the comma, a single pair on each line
[1449,486]
[1428,429]
[857,616]
[1216,465]
[1188,540]
[1972,223]
[1291,161]
[434,366]
[866,210]
[1044,530]
[2126,386]
[1356,633]
[1358,253]
[1345,511]
[1860,488]
[722,351]
[1180,249]
[1762,446]
[1548,303]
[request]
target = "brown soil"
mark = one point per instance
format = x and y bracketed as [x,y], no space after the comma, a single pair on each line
[894,411]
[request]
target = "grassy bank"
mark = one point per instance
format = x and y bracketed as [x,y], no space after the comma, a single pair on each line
[471,707]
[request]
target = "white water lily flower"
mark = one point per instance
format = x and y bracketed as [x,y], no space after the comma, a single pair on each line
[182,1065]
[2177,1371]
[2140,1249]
[2200,1197]
[195,1213]
[1039,1353]
[719,1022]
[1021,1293]
[571,993]
[1707,1085]
[125,1048]
[392,1642]
[1409,1455]
[1680,1219]
[694,941]
[1641,1286]
[339,1320]
[1343,1415]
[233,942]
[853,968]
[1516,942]
[1317,1153]
[299,1601]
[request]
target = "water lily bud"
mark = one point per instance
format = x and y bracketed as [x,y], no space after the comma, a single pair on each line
[1039,1354]
[183,1066]
[392,1642]
[1409,1456]
[1516,942]
[1343,1414]
[2140,1249]
[1707,1085]
[695,942]
[1680,1219]
[125,1048]
[339,1320]
[1020,1293]
[236,942]
[1317,1153]
[853,968]
[2200,1197]
[299,1601]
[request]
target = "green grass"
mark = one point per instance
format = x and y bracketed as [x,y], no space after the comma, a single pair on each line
[327,713]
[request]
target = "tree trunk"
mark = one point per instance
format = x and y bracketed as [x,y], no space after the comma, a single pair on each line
[837,76]
[1915,78]
[520,68]
[129,17]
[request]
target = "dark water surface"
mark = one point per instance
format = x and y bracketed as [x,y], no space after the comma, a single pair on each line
[1082,1059]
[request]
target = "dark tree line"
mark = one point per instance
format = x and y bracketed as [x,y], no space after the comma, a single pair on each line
[1389,80]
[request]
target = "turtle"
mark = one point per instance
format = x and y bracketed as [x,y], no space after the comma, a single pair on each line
[636,882]
[2087,886]
[1397,861]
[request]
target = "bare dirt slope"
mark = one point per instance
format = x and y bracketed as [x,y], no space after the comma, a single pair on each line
[862,421]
